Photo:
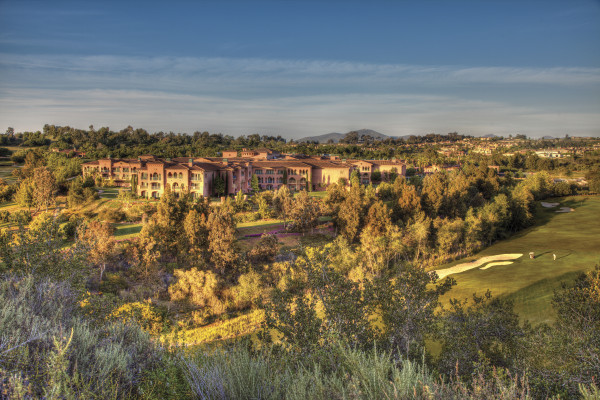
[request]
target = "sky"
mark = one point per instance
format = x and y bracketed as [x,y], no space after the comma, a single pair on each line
[303,68]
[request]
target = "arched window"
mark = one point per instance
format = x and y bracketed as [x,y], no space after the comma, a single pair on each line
[181,175]
[169,175]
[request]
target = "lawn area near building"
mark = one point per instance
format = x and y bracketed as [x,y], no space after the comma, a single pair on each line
[574,237]
[127,231]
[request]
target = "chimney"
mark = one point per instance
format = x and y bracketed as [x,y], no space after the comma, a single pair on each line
[190,161]
[139,159]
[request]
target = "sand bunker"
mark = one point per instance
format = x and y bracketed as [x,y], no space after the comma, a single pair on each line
[565,209]
[549,205]
[442,273]
[497,263]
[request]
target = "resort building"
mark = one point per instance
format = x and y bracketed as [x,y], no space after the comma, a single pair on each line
[149,175]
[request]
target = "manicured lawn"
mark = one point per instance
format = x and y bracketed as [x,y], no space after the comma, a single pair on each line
[575,239]
[127,231]
[6,173]
[319,195]
[108,193]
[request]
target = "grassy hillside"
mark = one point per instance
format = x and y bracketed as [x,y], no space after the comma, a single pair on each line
[575,239]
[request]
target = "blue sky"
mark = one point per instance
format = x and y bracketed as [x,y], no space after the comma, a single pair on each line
[303,68]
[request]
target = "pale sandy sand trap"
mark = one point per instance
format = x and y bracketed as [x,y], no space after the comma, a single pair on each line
[565,209]
[497,263]
[549,205]
[442,273]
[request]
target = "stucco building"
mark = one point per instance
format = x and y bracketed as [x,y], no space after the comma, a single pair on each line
[149,175]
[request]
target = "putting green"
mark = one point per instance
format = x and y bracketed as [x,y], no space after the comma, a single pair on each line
[575,239]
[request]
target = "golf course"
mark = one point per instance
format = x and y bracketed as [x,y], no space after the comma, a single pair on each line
[507,269]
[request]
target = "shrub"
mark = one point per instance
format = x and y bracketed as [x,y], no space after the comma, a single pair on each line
[143,313]
[4,216]
[198,288]
[51,352]
[111,215]
[21,217]
[248,289]
[265,250]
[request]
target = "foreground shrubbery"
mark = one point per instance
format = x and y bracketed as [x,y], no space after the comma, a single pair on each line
[49,350]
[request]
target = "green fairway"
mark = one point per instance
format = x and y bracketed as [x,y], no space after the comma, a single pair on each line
[575,239]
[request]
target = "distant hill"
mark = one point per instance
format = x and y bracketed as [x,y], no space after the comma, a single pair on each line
[336,137]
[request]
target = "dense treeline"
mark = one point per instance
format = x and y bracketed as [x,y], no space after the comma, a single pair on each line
[131,142]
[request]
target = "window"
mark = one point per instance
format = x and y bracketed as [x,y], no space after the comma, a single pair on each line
[258,171]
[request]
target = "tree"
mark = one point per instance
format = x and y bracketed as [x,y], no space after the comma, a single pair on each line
[44,192]
[196,234]
[282,202]
[351,213]
[25,194]
[487,332]
[376,176]
[285,177]
[450,236]
[355,177]
[265,250]
[196,286]
[39,251]
[408,204]
[406,302]
[98,238]
[318,306]
[380,239]
[219,185]
[221,238]
[134,183]
[304,212]
[393,174]
[254,183]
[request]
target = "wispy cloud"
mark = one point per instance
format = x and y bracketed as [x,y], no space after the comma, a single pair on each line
[294,98]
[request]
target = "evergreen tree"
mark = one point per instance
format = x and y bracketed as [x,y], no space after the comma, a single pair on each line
[254,183]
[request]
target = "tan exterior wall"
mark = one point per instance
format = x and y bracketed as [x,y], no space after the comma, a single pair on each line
[322,177]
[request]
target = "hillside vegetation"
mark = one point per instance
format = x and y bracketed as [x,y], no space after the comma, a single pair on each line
[299,295]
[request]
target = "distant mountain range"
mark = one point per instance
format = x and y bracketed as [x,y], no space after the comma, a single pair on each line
[336,137]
